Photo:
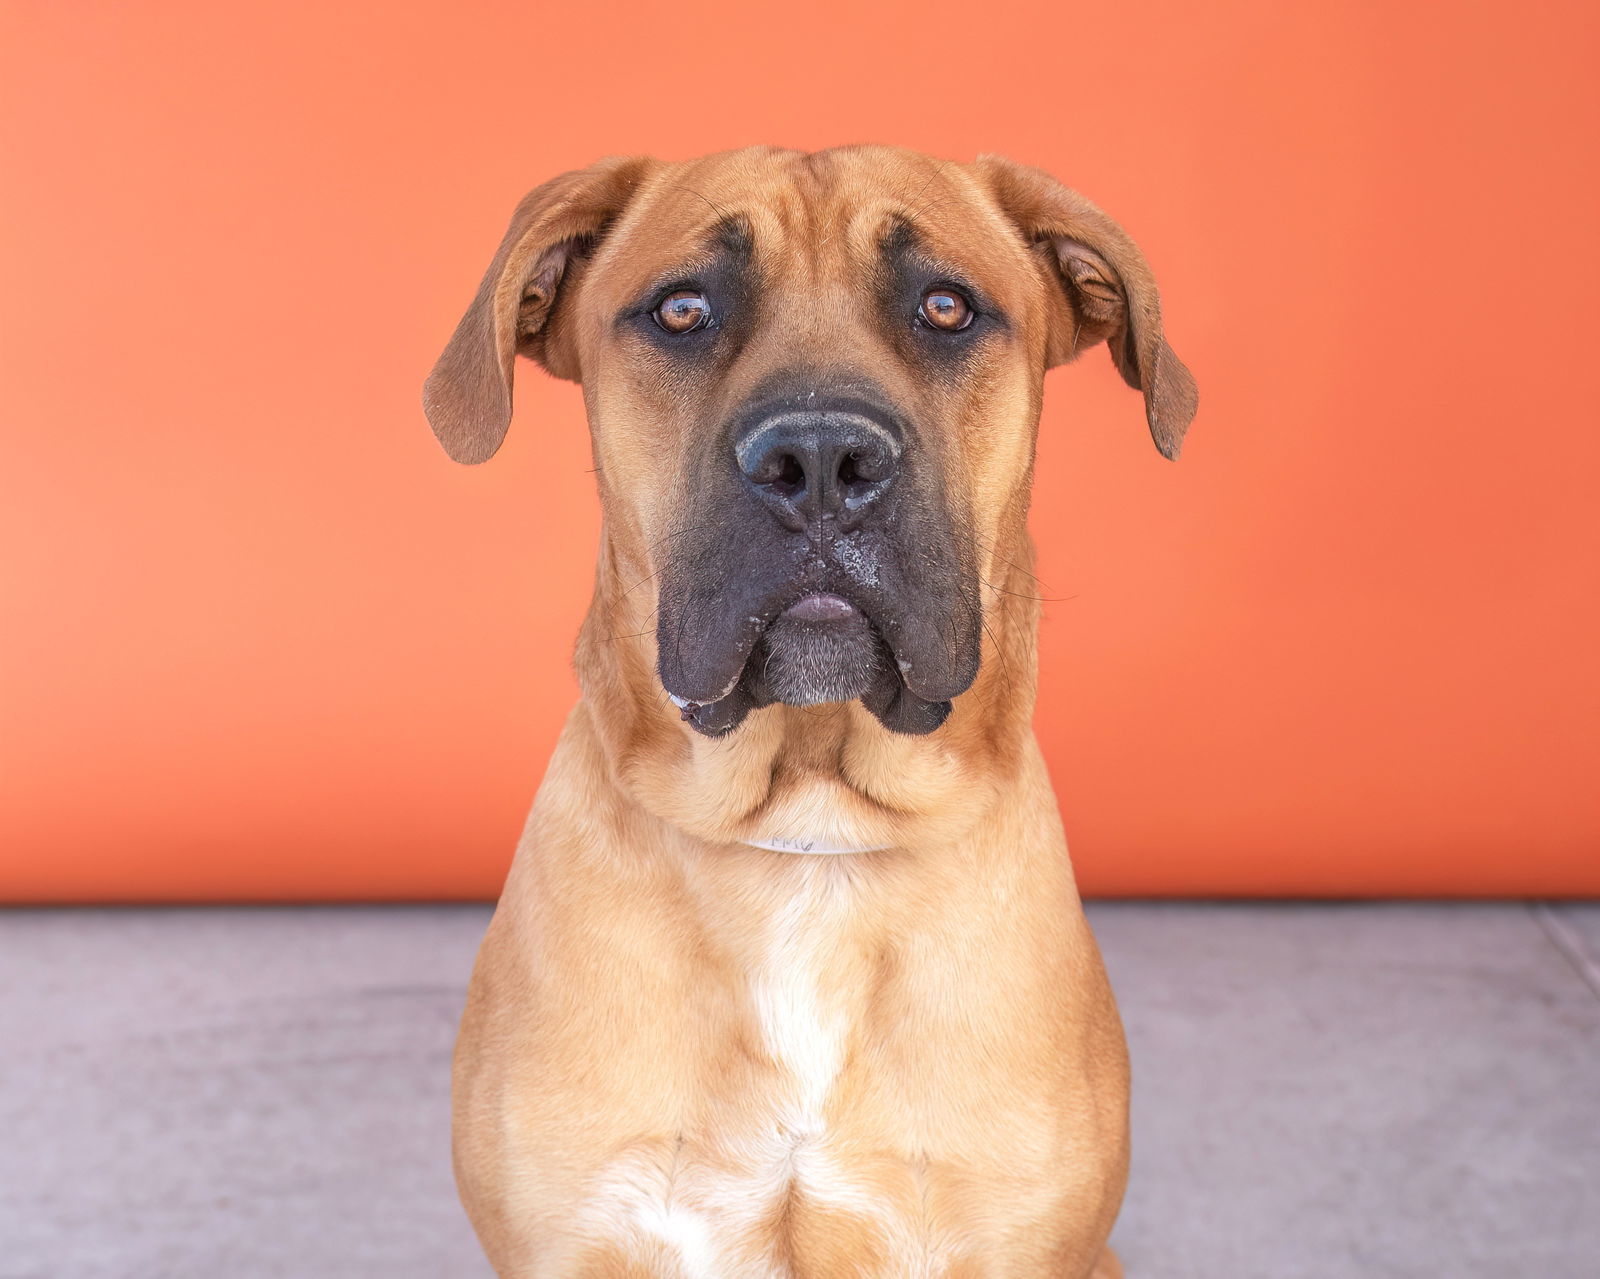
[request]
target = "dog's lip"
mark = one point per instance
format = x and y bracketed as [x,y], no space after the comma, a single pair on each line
[820,606]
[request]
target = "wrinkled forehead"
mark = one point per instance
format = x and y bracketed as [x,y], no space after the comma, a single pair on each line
[830,216]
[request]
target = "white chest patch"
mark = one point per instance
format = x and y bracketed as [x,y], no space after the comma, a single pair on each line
[711,1206]
[804,1035]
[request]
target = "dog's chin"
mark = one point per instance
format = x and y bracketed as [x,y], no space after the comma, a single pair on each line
[821,649]
[809,663]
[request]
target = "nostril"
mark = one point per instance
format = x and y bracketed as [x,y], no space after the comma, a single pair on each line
[776,469]
[790,473]
[864,467]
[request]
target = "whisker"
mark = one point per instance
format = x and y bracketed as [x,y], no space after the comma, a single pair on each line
[693,528]
[994,549]
[709,203]
[1021,595]
[1005,662]
[649,630]
[642,581]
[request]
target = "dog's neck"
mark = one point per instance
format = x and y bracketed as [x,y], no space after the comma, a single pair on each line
[808,779]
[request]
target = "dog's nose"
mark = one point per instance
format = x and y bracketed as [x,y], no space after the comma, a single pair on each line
[810,464]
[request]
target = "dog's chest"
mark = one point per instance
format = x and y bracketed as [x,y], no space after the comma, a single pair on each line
[770,1182]
[803,1006]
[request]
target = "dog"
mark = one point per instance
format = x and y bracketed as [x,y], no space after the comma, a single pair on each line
[790,977]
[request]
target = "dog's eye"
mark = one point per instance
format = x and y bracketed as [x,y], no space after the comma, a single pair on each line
[683,311]
[945,309]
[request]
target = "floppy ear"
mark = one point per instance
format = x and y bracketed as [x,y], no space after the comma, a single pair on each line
[1110,293]
[467,397]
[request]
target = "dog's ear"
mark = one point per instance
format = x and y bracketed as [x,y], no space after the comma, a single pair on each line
[1109,292]
[467,397]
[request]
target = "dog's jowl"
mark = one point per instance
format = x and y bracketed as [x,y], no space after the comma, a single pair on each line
[790,976]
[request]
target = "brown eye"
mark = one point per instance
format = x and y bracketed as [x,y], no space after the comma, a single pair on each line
[945,309]
[683,311]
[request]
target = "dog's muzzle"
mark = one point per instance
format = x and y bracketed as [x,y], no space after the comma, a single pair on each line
[823,567]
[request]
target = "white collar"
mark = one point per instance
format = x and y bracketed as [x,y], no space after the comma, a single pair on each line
[812,847]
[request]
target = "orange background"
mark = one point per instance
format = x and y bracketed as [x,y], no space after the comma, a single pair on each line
[262,640]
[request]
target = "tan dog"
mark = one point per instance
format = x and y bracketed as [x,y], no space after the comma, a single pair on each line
[693,1047]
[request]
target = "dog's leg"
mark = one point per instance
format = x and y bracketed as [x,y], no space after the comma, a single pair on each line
[1108,1267]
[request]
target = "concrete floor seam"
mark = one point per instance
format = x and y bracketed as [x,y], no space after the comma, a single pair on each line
[1563,939]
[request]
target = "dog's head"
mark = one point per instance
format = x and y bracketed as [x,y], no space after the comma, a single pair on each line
[813,382]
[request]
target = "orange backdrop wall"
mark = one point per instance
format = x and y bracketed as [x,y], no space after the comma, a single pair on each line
[262,640]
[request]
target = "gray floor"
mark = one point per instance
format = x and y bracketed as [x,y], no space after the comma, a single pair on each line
[1321,1090]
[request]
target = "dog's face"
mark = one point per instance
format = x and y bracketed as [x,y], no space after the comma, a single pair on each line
[813,383]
